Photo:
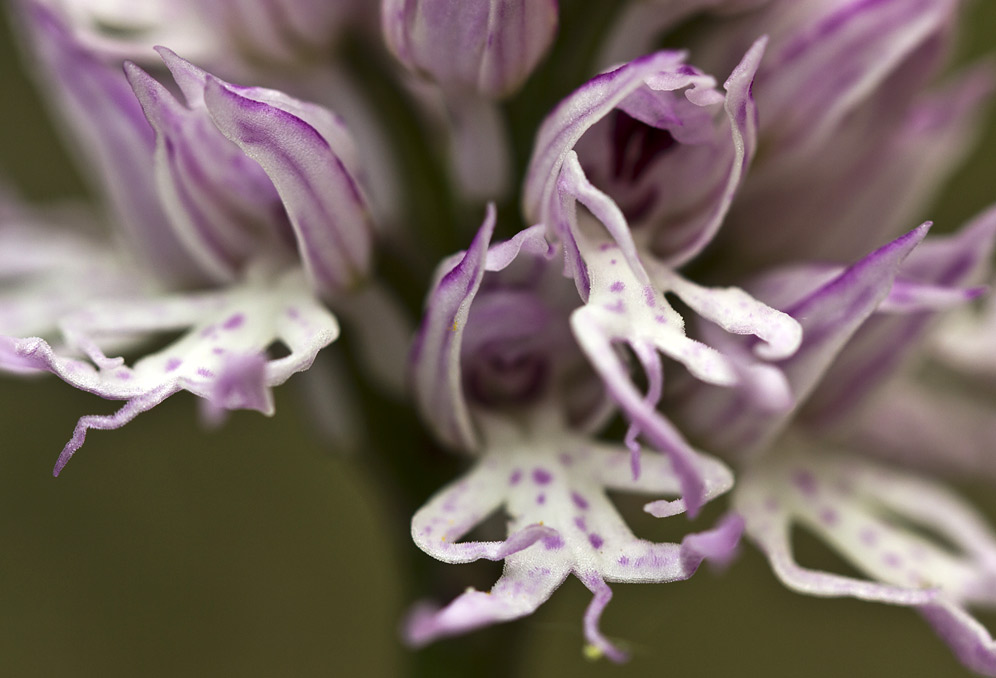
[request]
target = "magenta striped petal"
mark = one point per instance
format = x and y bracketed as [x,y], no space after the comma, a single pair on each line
[829,316]
[485,46]
[114,139]
[220,202]
[836,59]
[326,207]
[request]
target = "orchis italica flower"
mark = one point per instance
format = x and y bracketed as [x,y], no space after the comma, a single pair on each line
[522,398]
[858,324]
[465,347]
[614,268]
[712,294]
[656,155]
[250,190]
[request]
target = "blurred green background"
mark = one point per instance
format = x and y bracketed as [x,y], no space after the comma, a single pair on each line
[255,550]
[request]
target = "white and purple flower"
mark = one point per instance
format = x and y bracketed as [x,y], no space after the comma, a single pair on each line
[242,214]
[726,269]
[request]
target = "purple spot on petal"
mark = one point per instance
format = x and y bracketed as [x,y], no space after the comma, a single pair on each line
[612,261]
[805,482]
[204,372]
[648,296]
[579,501]
[869,537]
[515,477]
[209,331]
[618,307]
[541,476]
[617,286]
[829,516]
[565,459]
[172,364]
[771,504]
[595,540]
[580,523]
[661,319]
[123,375]
[293,313]
[217,350]
[554,542]
[623,560]
[234,322]
[892,560]
[540,498]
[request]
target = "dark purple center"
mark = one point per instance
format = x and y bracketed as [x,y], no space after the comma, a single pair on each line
[635,145]
[500,380]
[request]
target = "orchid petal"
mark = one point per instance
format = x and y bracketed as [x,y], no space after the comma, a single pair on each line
[969,640]
[871,514]
[563,128]
[435,355]
[219,358]
[49,269]
[114,137]
[653,426]
[275,30]
[742,114]
[324,203]
[561,522]
[829,317]
[934,429]
[934,276]
[213,193]
[485,47]
[839,58]
[737,312]
[436,350]
[522,588]
[874,178]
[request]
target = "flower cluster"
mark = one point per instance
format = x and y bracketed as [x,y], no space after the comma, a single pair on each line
[737,216]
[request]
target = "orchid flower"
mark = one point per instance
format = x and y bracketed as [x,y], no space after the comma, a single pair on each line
[860,326]
[617,270]
[709,292]
[522,399]
[250,191]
